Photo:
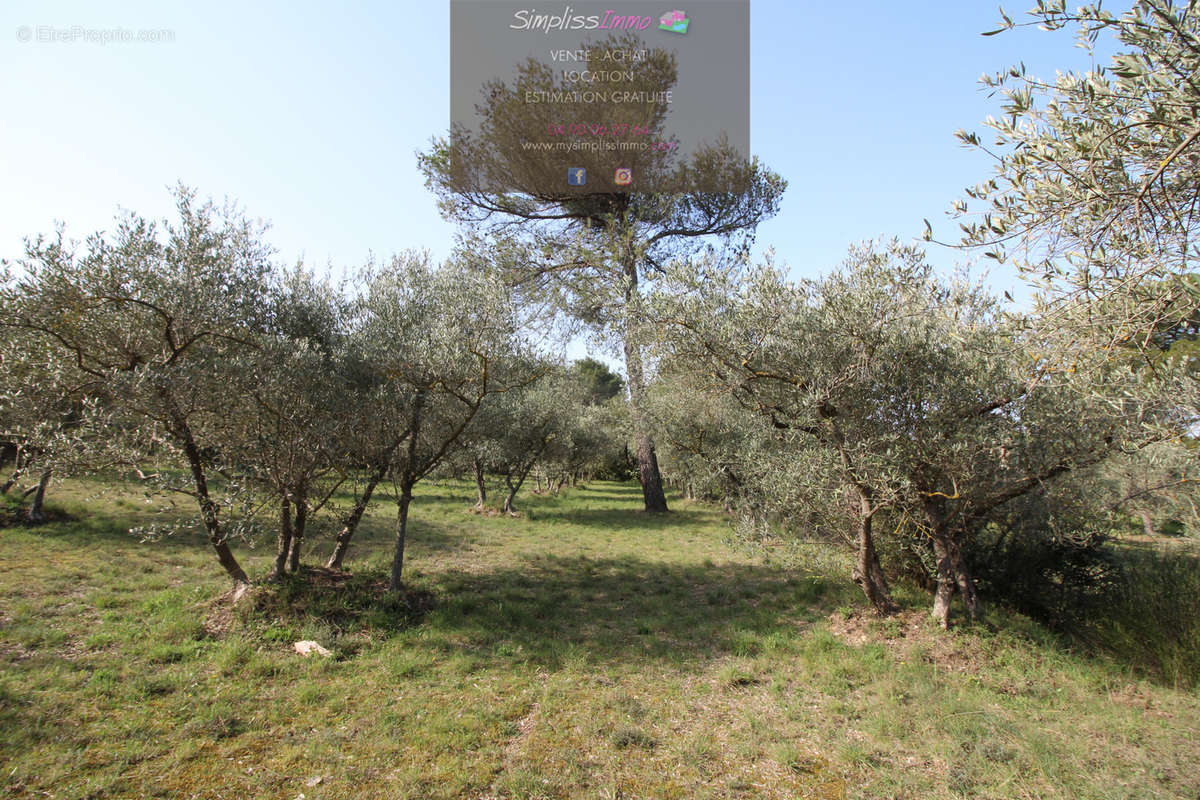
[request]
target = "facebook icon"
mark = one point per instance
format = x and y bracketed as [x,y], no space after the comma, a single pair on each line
[576,176]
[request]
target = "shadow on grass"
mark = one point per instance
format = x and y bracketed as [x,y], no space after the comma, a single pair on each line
[619,519]
[1149,618]
[376,538]
[623,491]
[88,517]
[76,529]
[615,610]
[80,527]
[550,610]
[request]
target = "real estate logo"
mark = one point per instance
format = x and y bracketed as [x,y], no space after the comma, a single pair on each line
[674,21]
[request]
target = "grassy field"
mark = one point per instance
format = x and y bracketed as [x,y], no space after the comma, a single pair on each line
[581,650]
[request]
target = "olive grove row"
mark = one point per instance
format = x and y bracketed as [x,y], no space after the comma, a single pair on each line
[927,426]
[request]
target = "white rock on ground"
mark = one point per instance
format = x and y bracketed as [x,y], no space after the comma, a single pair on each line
[308,647]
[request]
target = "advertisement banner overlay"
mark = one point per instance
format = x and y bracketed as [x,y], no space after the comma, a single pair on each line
[597,97]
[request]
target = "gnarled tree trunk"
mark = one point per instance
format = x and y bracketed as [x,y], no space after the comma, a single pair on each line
[350,523]
[952,570]
[208,507]
[512,493]
[396,583]
[407,480]
[480,484]
[945,584]
[868,573]
[513,488]
[36,513]
[300,502]
[283,544]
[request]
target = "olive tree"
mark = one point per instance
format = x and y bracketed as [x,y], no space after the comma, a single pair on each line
[511,432]
[374,432]
[444,339]
[36,415]
[537,424]
[785,352]
[548,424]
[1159,486]
[290,438]
[594,444]
[706,435]
[916,394]
[151,324]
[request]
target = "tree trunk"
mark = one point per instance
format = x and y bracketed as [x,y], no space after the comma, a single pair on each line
[350,525]
[512,493]
[208,508]
[952,570]
[283,544]
[407,480]
[653,496]
[480,485]
[962,577]
[36,513]
[301,504]
[868,574]
[522,474]
[1147,522]
[945,584]
[514,488]
[15,475]
[397,582]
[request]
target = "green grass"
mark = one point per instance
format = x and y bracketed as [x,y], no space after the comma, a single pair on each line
[583,650]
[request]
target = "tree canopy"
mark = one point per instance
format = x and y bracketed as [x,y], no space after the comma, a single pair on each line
[1097,173]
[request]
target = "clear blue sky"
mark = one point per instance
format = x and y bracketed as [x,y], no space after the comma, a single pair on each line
[309,115]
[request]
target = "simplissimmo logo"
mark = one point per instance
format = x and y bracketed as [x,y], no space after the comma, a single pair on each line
[674,21]
[529,19]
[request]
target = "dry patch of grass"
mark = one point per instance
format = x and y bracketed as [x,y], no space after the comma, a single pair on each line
[911,633]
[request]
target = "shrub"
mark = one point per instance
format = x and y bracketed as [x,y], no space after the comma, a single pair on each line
[1151,619]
